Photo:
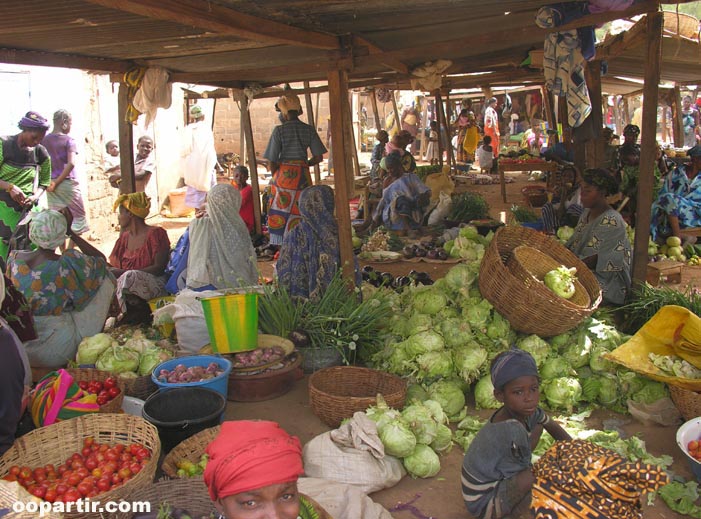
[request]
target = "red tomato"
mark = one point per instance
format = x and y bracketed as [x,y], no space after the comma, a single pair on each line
[103,484]
[90,463]
[109,467]
[50,467]
[37,491]
[40,477]
[116,479]
[125,457]
[88,441]
[83,472]
[83,385]
[94,492]
[97,385]
[97,472]
[135,467]
[50,495]
[84,488]
[25,473]
[110,382]
[76,464]
[61,489]
[104,448]
[14,470]
[124,472]
[134,448]
[111,455]
[114,391]
[71,495]
[76,456]
[102,400]
[62,470]
[143,453]
[10,477]
[74,479]
[86,451]
[119,447]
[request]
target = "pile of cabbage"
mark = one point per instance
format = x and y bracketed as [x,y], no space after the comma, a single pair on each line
[448,332]
[418,434]
[137,356]
[468,244]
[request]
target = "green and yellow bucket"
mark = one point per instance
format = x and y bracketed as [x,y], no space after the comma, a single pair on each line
[232,322]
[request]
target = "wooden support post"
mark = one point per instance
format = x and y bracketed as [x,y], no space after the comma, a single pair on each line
[424,126]
[397,121]
[252,164]
[677,121]
[595,147]
[548,107]
[316,112]
[647,145]
[375,111]
[618,120]
[451,156]
[126,143]
[338,96]
[439,123]
[310,121]
[349,127]
[242,130]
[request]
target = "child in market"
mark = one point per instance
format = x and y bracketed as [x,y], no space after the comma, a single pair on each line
[485,155]
[497,474]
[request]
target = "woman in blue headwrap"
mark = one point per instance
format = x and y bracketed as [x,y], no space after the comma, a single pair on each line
[22,160]
[310,254]
[497,473]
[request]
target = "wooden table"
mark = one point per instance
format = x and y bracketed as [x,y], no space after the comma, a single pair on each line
[522,166]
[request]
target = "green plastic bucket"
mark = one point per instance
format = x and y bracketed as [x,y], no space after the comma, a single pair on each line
[232,322]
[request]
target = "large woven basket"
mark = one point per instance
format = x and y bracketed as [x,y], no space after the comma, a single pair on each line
[336,393]
[56,443]
[190,449]
[530,310]
[90,374]
[188,494]
[13,492]
[688,402]
[534,196]
[139,387]
[530,266]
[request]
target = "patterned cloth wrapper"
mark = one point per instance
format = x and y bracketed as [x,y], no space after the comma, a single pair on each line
[580,480]
[48,229]
[58,397]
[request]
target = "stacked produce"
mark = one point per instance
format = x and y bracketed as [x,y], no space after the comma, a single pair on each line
[468,244]
[449,332]
[188,469]
[136,356]
[105,391]
[182,374]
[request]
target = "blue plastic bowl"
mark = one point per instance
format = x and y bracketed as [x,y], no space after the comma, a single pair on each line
[537,225]
[219,384]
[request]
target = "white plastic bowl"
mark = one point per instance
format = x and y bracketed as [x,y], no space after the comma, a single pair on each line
[133,406]
[689,431]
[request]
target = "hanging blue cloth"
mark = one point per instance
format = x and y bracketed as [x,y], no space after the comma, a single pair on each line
[177,264]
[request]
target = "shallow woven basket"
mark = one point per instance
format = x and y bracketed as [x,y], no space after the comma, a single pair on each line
[530,310]
[90,374]
[139,387]
[190,449]
[534,196]
[687,402]
[530,266]
[336,393]
[56,443]
[188,494]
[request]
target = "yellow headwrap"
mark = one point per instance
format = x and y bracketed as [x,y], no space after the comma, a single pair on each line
[137,204]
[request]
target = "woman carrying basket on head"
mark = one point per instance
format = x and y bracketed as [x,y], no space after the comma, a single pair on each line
[289,164]
[23,160]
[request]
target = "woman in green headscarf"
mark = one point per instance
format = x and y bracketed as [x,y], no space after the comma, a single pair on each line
[69,294]
[138,259]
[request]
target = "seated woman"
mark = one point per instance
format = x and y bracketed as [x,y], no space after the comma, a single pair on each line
[600,239]
[404,201]
[253,470]
[221,253]
[138,259]
[310,254]
[69,294]
[679,203]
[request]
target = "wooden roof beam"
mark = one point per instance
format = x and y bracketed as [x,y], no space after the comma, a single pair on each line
[222,20]
[526,34]
[620,43]
[389,61]
[53,59]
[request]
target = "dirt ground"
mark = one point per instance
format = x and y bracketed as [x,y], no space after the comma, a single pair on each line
[440,496]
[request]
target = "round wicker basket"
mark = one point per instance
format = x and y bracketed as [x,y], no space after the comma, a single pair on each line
[688,402]
[56,443]
[189,494]
[90,374]
[336,393]
[529,309]
[535,196]
[190,449]
[530,266]
[139,387]
[681,24]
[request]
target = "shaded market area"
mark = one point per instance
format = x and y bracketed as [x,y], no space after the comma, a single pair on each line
[449,247]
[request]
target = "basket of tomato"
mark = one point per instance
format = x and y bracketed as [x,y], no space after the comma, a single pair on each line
[109,388]
[103,457]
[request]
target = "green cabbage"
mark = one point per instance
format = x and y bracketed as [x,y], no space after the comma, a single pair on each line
[118,359]
[419,419]
[650,392]
[460,276]
[397,438]
[417,323]
[449,395]
[498,328]
[563,392]
[469,231]
[537,347]
[429,301]
[139,343]
[555,367]
[455,332]
[478,315]
[416,393]
[484,394]
[560,341]
[449,312]
[597,362]
[601,389]
[423,342]
[90,348]
[577,354]
[152,357]
[436,411]
[443,441]
[468,361]
[434,364]
[423,462]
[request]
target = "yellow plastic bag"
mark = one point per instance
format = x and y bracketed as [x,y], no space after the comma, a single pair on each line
[439,182]
[669,332]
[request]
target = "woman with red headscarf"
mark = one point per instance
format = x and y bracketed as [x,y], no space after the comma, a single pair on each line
[252,473]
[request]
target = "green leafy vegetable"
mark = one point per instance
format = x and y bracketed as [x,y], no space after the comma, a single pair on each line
[423,462]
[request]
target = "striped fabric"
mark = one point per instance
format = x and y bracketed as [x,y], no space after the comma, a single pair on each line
[57,397]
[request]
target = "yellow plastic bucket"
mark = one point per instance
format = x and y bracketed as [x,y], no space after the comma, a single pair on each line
[232,322]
